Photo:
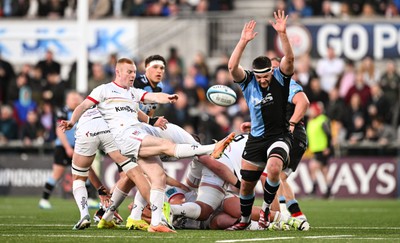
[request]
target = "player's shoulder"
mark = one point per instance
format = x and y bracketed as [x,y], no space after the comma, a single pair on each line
[140,82]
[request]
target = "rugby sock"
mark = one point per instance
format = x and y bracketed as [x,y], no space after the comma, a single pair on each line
[246,203]
[139,203]
[294,208]
[270,189]
[190,210]
[156,205]
[117,198]
[80,195]
[282,199]
[189,150]
[48,188]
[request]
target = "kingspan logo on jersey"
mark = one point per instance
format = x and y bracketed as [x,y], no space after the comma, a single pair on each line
[94,134]
[267,100]
[124,108]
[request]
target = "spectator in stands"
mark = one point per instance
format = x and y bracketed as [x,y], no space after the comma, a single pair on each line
[315,93]
[36,83]
[299,9]
[99,8]
[109,67]
[72,75]
[356,131]
[8,125]
[52,8]
[329,68]
[336,107]
[391,10]
[23,105]
[380,132]
[326,11]
[32,130]
[48,121]
[370,72]
[7,74]
[99,76]
[212,123]
[12,8]
[379,106]
[305,72]
[347,79]
[368,10]
[200,71]
[360,88]
[54,90]
[14,89]
[134,8]
[345,11]
[390,82]
[355,109]
[49,65]
[178,112]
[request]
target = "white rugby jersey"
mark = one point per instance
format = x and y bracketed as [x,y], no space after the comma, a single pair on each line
[232,156]
[88,115]
[118,106]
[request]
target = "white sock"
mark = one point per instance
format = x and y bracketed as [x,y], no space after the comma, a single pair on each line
[156,205]
[281,217]
[189,150]
[139,203]
[80,195]
[117,198]
[189,210]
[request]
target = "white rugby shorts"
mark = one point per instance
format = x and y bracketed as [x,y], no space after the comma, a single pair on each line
[94,135]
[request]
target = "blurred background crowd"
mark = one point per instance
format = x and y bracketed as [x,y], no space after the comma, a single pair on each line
[361,99]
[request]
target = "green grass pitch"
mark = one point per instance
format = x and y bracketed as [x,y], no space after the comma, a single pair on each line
[330,220]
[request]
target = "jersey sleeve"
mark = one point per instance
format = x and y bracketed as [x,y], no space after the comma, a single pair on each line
[247,79]
[138,94]
[97,94]
[294,88]
[282,78]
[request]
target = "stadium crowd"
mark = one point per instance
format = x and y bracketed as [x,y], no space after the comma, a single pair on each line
[57,9]
[360,100]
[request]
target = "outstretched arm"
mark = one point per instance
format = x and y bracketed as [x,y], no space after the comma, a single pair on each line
[287,63]
[161,98]
[234,67]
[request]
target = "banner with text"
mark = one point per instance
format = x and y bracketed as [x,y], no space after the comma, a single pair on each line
[352,40]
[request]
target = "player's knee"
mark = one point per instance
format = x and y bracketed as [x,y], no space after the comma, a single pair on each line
[79,171]
[128,164]
[250,175]
[206,211]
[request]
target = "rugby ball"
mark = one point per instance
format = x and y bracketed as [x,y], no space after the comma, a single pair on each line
[221,95]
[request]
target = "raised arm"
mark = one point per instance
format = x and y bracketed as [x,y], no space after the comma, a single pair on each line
[234,67]
[287,63]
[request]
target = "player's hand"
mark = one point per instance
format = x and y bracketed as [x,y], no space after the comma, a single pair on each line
[69,151]
[173,98]
[65,125]
[280,21]
[105,197]
[248,33]
[245,127]
[161,123]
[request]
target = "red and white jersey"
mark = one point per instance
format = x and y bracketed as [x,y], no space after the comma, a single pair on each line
[88,115]
[118,106]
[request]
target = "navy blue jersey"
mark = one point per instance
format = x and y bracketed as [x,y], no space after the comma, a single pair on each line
[65,114]
[141,82]
[267,105]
